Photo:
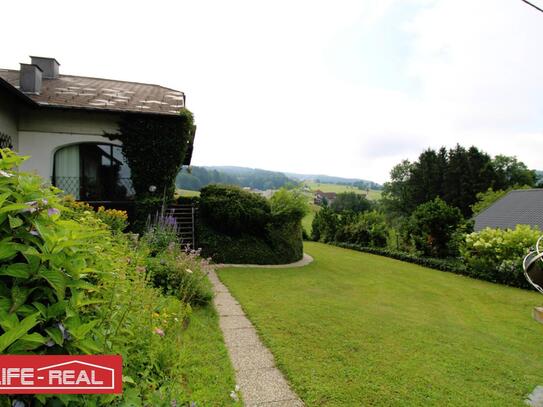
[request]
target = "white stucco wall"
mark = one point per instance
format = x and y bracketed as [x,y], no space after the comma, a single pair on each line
[42,133]
[8,118]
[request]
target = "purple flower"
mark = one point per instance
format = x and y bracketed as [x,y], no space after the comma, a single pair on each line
[53,212]
[34,232]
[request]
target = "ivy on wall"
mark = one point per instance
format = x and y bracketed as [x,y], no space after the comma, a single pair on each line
[154,148]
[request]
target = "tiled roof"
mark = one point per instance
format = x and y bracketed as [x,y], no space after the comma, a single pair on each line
[519,207]
[102,94]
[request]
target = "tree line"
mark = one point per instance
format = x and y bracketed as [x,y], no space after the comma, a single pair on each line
[199,177]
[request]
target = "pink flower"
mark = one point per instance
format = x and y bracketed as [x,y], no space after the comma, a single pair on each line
[53,212]
[159,332]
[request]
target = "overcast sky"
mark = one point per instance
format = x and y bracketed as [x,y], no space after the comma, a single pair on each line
[344,88]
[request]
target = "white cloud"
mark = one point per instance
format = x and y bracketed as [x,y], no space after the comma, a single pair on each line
[314,86]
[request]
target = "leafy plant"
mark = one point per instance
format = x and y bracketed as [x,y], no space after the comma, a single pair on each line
[161,232]
[47,269]
[433,226]
[147,141]
[181,273]
[496,254]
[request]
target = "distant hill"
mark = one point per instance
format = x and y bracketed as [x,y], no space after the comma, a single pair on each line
[328,179]
[257,178]
[244,177]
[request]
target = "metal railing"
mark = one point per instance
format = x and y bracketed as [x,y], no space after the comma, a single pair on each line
[96,188]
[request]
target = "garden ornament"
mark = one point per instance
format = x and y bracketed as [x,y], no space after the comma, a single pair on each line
[533,266]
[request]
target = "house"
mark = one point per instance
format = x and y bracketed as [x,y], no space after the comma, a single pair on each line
[518,207]
[321,197]
[60,121]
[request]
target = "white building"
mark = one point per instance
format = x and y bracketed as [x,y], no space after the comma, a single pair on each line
[60,122]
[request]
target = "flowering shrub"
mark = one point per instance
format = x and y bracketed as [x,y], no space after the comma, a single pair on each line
[181,273]
[116,219]
[496,255]
[160,232]
[47,269]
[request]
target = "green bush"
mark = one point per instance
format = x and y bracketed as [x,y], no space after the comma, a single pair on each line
[325,225]
[368,229]
[237,226]
[449,265]
[289,205]
[70,285]
[496,255]
[47,268]
[434,228]
[181,273]
[351,202]
[231,210]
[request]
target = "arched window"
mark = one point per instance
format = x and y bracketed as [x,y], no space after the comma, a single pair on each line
[93,172]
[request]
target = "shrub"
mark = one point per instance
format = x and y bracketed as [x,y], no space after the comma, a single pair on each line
[432,226]
[496,255]
[237,226]
[449,265]
[47,268]
[182,274]
[350,201]
[368,229]
[116,219]
[160,233]
[324,226]
[289,205]
[231,210]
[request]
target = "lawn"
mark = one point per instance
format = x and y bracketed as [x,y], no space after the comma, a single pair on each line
[356,329]
[337,188]
[307,221]
[186,192]
[209,376]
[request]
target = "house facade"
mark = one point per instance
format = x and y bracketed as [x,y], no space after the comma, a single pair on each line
[60,122]
[321,197]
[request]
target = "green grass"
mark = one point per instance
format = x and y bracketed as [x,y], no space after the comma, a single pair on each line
[324,187]
[186,192]
[208,374]
[354,329]
[308,219]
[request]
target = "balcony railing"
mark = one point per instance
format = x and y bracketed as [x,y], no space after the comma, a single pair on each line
[96,189]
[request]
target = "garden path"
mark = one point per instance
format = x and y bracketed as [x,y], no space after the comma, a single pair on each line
[261,383]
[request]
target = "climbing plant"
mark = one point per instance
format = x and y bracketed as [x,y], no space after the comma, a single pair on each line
[154,148]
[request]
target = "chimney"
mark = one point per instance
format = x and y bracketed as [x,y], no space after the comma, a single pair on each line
[49,66]
[30,78]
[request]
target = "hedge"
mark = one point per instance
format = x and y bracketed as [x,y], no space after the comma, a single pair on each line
[456,266]
[236,226]
[449,265]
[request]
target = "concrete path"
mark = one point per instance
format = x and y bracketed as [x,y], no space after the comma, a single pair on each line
[261,383]
[300,263]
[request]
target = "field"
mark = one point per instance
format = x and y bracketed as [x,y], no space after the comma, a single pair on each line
[186,192]
[373,194]
[357,329]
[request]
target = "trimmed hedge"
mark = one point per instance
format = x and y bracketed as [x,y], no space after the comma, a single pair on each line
[456,266]
[449,265]
[236,226]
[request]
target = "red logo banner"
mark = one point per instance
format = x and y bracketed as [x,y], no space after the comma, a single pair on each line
[58,374]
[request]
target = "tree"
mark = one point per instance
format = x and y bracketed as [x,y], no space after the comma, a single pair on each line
[396,197]
[511,173]
[350,201]
[433,226]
